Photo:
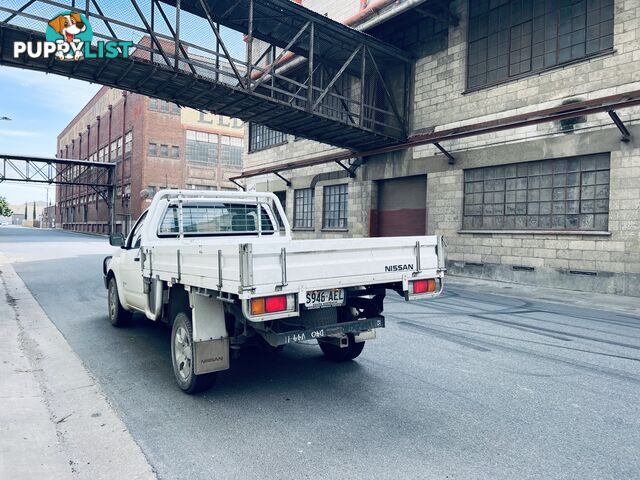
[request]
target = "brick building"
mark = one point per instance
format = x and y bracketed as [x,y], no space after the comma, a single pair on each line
[555,203]
[162,144]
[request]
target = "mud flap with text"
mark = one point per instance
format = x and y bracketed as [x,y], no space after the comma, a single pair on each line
[210,339]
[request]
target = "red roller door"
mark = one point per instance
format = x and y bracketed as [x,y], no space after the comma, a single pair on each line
[402,207]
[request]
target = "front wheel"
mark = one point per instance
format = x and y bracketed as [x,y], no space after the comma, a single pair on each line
[182,355]
[337,354]
[118,316]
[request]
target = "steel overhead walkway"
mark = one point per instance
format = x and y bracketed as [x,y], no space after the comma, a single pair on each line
[272,62]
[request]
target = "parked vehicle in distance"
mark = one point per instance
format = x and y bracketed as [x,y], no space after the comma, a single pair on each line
[222,270]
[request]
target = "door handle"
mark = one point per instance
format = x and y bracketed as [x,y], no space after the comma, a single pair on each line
[136,259]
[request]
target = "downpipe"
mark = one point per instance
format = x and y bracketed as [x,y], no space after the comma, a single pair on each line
[154,287]
[376,18]
[367,18]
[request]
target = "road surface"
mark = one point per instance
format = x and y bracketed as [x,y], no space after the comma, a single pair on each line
[471,385]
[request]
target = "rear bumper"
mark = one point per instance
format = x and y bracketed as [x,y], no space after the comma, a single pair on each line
[337,329]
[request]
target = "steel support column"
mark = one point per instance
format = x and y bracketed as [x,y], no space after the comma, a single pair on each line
[288,182]
[626,134]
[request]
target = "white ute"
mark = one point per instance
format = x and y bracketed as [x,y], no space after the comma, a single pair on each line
[221,268]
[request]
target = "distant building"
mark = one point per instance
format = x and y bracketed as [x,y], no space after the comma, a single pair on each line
[163,145]
[48,219]
[17,219]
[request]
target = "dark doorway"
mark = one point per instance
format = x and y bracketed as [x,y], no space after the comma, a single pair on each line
[402,207]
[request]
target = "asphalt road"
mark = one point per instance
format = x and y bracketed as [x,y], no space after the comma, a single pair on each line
[471,385]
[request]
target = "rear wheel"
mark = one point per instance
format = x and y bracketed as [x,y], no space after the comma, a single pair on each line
[183,355]
[335,353]
[118,316]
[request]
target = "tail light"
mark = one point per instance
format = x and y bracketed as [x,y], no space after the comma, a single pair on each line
[277,303]
[424,286]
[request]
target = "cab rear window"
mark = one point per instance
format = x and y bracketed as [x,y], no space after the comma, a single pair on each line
[216,219]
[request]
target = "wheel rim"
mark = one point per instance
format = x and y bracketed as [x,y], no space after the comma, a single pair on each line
[182,352]
[113,298]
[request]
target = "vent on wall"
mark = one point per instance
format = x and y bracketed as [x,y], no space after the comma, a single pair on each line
[522,268]
[567,125]
[473,264]
[585,273]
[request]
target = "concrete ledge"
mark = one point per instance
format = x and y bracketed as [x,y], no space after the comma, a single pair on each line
[590,300]
[594,233]
[569,280]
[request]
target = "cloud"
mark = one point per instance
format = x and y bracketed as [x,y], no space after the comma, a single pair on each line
[17,133]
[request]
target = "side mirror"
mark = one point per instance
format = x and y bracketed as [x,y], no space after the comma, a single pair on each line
[116,239]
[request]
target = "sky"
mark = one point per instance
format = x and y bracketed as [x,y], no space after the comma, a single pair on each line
[39,106]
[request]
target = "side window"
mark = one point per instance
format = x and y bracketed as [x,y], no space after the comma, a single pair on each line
[135,237]
[137,240]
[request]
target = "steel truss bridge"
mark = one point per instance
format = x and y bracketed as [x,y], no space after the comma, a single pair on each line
[271,62]
[100,177]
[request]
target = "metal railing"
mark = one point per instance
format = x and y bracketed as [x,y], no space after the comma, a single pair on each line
[274,50]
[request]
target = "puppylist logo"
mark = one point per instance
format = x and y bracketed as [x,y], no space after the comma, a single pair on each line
[68,38]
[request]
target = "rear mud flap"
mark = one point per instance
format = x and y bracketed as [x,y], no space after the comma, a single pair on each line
[211,356]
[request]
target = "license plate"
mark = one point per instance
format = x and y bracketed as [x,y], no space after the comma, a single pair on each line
[325,298]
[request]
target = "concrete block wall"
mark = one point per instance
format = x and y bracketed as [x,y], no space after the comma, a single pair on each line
[608,263]
[441,99]
[335,9]
[362,196]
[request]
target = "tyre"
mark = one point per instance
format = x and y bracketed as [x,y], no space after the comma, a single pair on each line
[182,356]
[118,316]
[336,354]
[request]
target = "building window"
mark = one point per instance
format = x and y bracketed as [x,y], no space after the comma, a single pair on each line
[128,142]
[203,118]
[261,137]
[202,147]
[303,208]
[153,104]
[164,106]
[510,38]
[175,108]
[270,57]
[153,150]
[116,150]
[560,194]
[175,152]
[164,150]
[334,214]
[231,151]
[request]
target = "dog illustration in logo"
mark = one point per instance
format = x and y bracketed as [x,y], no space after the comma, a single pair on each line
[69,25]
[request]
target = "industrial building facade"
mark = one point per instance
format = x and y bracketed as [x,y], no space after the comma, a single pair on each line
[554,203]
[154,144]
